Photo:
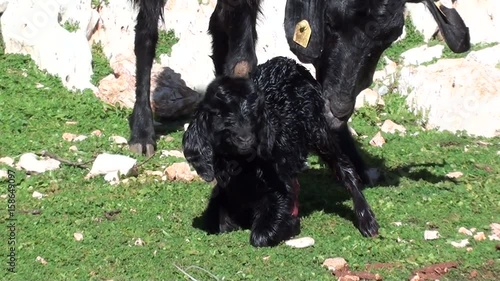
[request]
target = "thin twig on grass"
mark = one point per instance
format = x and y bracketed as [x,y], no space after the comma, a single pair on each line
[195,267]
[45,153]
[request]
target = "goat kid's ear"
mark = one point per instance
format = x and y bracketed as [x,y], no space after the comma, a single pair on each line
[198,150]
[455,32]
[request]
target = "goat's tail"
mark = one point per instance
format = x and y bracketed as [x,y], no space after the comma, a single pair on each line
[151,8]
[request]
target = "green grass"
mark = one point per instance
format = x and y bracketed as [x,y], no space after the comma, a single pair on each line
[415,192]
[71,26]
[166,39]
[100,64]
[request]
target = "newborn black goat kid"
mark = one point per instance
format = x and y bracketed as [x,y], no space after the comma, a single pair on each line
[253,137]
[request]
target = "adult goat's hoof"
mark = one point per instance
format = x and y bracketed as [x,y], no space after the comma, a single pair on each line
[368,225]
[146,149]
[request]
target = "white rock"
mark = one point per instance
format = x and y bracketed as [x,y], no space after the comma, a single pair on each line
[31,163]
[383,90]
[377,140]
[108,163]
[419,55]
[7,161]
[334,264]
[454,95]
[31,27]
[79,12]
[78,236]
[367,97]
[299,243]
[80,138]
[4,174]
[454,175]
[488,56]
[139,242]
[37,195]
[465,231]
[112,177]
[174,153]
[3,5]
[463,243]
[391,127]
[482,17]
[431,234]
[118,139]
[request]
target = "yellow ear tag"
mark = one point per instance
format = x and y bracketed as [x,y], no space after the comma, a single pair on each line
[302,33]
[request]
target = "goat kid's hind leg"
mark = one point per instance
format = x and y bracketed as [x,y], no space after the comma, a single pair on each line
[273,220]
[232,26]
[142,136]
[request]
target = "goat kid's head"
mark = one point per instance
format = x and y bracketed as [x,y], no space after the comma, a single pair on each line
[230,121]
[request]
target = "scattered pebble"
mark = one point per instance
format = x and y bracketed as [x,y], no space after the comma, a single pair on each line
[180,171]
[3,174]
[465,231]
[139,242]
[378,140]
[335,263]
[390,127]
[174,153]
[106,163]
[118,139]
[153,173]
[462,244]
[7,161]
[41,260]
[167,138]
[73,148]
[454,175]
[78,236]
[300,243]
[68,136]
[96,133]
[469,249]
[37,195]
[397,223]
[71,122]
[431,234]
[480,236]
[80,138]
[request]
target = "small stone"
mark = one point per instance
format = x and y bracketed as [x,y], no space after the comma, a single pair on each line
[454,175]
[179,171]
[397,223]
[431,234]
[96,133]
[153,173]
[300,243]
[78,236]
[390,127]
[334,264]
[73,148]
[349,278]
[108,163]
[139,242]
[37,195]
[7,161]
[463,243]
[118,139]
[71,122]
[469,249]
[465,231]
[80,138]
[480,236]
[383,90]
[3,174]
[68,136]
[173,153]
[41,260]
[378,140]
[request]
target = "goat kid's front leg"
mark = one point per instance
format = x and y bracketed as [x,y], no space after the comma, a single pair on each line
[232,26]
[142,136]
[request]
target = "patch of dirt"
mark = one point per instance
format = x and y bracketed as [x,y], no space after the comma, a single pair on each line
[377,266]
[346,274]
[433,272]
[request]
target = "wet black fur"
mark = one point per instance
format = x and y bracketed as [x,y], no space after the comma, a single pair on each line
[253,138]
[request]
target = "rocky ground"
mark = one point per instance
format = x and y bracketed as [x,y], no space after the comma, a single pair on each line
[456,93]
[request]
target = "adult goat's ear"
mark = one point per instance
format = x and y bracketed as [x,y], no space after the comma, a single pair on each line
[266,134]
[198,149]
[452,27]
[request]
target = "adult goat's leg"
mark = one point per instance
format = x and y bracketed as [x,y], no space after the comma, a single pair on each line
[232,26]
[142,136]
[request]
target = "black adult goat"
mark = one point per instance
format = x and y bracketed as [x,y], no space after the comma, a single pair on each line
[346,41]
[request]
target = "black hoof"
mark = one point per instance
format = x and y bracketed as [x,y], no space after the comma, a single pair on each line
[145,149]
[368,225]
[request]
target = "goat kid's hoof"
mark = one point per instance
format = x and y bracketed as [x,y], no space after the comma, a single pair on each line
[368,225]
[261,240]
[138,148]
